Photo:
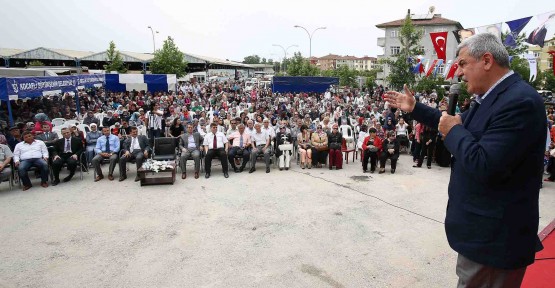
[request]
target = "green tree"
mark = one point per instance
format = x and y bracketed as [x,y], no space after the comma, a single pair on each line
[549,81]
[401,66]
[252,59]
[114,60]
[299,66]
[431,83]
[169,60]
[263,61]
[35,63]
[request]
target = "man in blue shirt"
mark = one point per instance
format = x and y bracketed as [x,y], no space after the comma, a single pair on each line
[107,147]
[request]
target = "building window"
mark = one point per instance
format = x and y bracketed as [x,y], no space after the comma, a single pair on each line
[395,50]
[537,54]
[421,50]
[440,69]
[550,64]
[394,33]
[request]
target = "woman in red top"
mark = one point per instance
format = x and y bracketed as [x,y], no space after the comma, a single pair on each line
[372,146]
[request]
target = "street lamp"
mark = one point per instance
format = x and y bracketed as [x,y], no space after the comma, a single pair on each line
[285,52]
[153,42]
[310,37]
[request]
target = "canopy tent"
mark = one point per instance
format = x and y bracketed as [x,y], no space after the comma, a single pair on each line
[147,82]
[302,84]
[33,87]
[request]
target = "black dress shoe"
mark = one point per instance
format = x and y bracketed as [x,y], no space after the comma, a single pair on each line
[268,170]
[68,178]
[121,178]
[236,170]
[226,175]
[252,170]
[241,169]
[392,171]
[137,178]
[207,175]
[56,182]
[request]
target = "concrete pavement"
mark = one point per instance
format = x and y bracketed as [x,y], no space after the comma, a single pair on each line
[296,228]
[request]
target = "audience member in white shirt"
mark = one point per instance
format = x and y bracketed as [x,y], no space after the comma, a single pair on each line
[30,153]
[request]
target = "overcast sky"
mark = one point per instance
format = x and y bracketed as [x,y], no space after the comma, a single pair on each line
[232,29]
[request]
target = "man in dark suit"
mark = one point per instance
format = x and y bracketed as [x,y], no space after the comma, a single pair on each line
[135,147]
[47,136]
[189,145]
[66,150]
[498,148]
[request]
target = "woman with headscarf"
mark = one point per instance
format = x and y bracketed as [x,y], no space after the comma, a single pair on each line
[5,158]
[40,119]
[135,119]
[319,143]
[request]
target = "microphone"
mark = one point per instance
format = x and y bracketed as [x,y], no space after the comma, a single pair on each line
[454,92]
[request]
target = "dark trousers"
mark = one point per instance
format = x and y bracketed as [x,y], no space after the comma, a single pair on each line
[472,274]
[336,158]
[220,153]
[97,161]
[153,133]
[385,155]
[551,168]
[136,155]
[417,149]
[24,165]
[427,150]
[373,156]
[234,151]
[58,163]
[319,156]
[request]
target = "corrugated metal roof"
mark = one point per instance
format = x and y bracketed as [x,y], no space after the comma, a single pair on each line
[72,53]
[9,51]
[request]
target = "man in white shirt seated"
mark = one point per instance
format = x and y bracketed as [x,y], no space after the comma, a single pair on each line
[268,129]
[261,145]
[30,153]
[215,144]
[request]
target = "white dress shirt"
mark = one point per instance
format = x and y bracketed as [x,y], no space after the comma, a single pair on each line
[134,144]
[259,138]
[24,151]
[220,140]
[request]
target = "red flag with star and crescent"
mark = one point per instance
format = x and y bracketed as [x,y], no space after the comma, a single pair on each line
[452,71]
[439,40]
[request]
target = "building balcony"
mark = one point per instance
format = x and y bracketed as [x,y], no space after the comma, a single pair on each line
[381,41]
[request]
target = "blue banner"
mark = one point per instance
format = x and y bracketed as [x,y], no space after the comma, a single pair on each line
[89,81]
[292,84]
[32,87]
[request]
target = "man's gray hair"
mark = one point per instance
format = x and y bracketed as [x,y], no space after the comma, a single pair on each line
[241,125]
[482,43]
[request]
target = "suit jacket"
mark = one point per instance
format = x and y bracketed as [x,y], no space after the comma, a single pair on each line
[76,146]
[52,136]
[496,172]
[143,143]
[184,140]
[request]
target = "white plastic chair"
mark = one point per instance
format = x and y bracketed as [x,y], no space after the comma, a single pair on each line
[68,123]
[347,133]
[58,121]
[58,130]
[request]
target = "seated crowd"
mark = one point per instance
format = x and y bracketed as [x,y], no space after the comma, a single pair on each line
[216,120]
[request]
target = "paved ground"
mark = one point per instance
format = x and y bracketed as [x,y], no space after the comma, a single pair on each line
[297,228]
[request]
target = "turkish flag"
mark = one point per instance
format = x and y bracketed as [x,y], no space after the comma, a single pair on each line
[439,39]
[553,59]
[452,71]
[431,68]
